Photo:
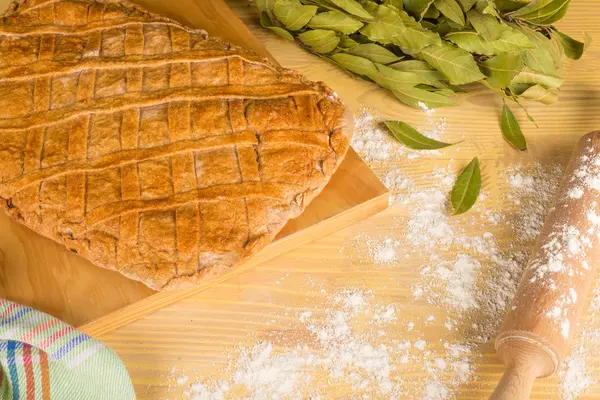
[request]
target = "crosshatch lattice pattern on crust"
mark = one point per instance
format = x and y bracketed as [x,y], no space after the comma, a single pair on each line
[150,148]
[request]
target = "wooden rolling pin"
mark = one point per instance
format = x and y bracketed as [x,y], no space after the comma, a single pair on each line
[536,331]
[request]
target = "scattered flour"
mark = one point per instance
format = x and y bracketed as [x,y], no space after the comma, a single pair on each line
[376,145]
[470,275]
[574,377]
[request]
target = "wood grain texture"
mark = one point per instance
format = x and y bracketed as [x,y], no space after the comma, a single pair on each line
[532,340]
[40,273]
[195,334]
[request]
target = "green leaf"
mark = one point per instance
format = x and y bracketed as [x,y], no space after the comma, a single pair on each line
[506,6]
[452,10]
[530,77]
[540,94]
[347,42]
[457,65]
[397,80]
[397,27]
[374,52]
[265,5]
[417,8]
[517,88]
[466,188]
[420,98]
[321,3]
[292,14]
[320,40]
[355,64]
[472,42]
[418,67]
[542,12]
[486,25]
[573,48]
[539,60]
[511,129]
[432,13]
[427,25]
[336,21]
[352,7]
[542,43]
[501,69]
[265,21]
[443,27]
[411,138]
[466,5]
[490,9]
[397,4]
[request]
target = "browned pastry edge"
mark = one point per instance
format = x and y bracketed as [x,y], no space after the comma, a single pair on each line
[338,142]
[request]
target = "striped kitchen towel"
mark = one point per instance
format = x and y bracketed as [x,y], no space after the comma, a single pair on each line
[44,358]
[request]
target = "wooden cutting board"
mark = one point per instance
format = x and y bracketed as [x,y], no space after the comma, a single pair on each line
[40,273]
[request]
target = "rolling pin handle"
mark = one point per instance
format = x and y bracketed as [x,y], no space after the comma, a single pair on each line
[516,384]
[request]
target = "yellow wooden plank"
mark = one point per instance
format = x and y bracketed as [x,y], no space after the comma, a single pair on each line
[256,291]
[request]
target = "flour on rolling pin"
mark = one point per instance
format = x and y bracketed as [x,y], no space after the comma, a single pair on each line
[536,331]
[564,256]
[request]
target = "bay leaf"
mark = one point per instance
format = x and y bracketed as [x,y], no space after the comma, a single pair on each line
[456,64]
[352,7]
[573,48]
[474,43]
[266,22]
[417,8]
[358,65]
[438,90]
[281,32]
[490,9]
[466,188]
[413,139]
[427,25]
[506,6]
[452,10]
[419,67]
[374,52]
[347,42]
[397,4]
[399,28]
[420,98]
[501,69]
[530,77]
[336,21]
[511,130]
[540,94]
[542,12]
[432,13]
[517,88]
[321,4]
[454,27]
[292,14]
[539,60]
[466,5]
[396,80]
[541,42]
[443,27]
[320,40]
[265,5]
[486,25]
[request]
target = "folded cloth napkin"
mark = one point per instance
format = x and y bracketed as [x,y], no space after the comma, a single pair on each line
[44,358]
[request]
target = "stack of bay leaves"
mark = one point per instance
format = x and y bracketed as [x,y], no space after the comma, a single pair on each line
[423,51]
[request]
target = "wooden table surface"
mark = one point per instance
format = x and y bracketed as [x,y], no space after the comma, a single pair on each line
[194,336]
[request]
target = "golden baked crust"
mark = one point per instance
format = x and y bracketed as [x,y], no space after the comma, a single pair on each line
[150,148]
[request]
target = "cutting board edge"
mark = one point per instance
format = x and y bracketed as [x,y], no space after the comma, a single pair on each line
[155,302]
